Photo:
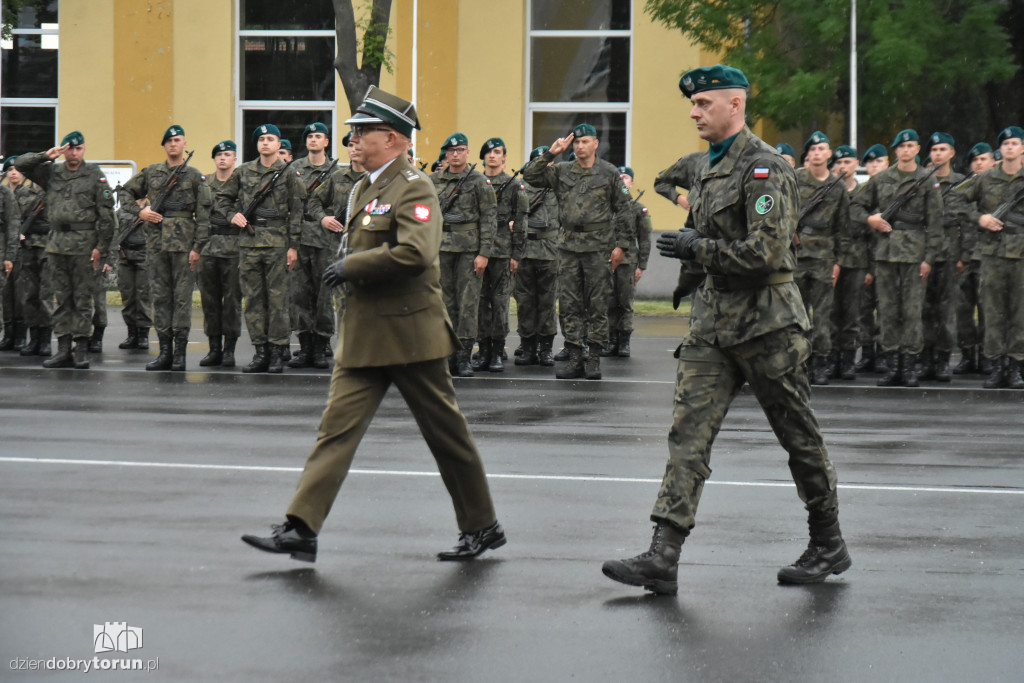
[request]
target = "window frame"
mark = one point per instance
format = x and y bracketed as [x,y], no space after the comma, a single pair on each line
[37,102]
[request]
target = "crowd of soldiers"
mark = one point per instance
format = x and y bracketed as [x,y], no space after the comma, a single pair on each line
[905,267]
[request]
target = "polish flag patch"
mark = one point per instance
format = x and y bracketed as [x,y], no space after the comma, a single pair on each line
[421,212]
[760,173]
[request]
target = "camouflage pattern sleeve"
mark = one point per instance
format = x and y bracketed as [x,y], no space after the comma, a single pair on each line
[12,225]
[644,226]
[540,174]
[296,206]
[228,201]
[321,197]
[488,204]
[204,205]
[519,222]
[865,202]
[105,223]
[933,222]
[36,167]
[680,174]
[136,188]
[841,224]
[623,212]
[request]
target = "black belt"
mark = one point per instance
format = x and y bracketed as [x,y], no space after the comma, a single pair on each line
[227,229]
[177,214]
[812,225]
[733,283]
[459,227]
[588,227]
[545,235]
[74,227]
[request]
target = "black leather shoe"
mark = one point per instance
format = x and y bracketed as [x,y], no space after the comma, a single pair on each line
[285,539]
[473,543]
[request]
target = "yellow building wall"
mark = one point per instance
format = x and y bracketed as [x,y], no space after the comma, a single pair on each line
[86,84]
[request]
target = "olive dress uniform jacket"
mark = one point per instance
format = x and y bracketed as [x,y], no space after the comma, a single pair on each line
[394,313]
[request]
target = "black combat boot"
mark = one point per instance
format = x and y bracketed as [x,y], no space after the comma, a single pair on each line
[624,350]
[164,358]
[942,371]
[463,368]
[143,338]
[480,361]
[573,367]
[544,347]
[96,340]
[20,332]
[276,364]
[286,352]
[612,349]
[61,359]
[846,366]
[592,364]
[892,376]
[985,364]
[563,354]
[911,373]
[260,359]
[216,354]
[178,355]
[132,340]
[819,369]
[81,353]
[527,351]
[926,363]
[303,358]
[833,364]
[228,359]
[826,553]
[7,343]
[321,351]
[867,359]
[44,341]
[497,348]
[1013,378]
[31,347]
[656,570]
[997,377]
[968,361]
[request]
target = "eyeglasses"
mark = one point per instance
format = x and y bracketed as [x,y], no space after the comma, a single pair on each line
[458,150]
[359,130]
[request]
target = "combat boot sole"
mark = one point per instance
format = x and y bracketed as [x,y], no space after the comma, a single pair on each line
[617,570]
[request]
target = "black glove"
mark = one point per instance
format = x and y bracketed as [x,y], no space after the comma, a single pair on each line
[679,245]
[334,275]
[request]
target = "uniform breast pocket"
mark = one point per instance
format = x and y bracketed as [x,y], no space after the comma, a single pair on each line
[377,232]
[723,201]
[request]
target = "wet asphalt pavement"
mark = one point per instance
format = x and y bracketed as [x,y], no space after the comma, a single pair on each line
[123,495]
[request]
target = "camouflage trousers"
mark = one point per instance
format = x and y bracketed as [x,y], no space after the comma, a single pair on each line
[939,316]
[34,288]
[99,302]
[708,378]
[814,278]
[263,277]
[585,285]
[133,281]
[536,286]
[171,282]
[1002,298]
[492,314]
[221,296]
[900,302]
[10,302]
[869,332]
[968,330]
[74,286]
[846,309]
[460,288]
[312,305]
[620,301]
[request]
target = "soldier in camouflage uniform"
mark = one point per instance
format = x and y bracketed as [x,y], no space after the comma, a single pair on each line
[904,252]
[263,257]
[217,275]
[99,307]
[175,238]
[133,281]
[748,325]
[466,245]
[996,204]
[595,232]
[853,268]
[787,152]
[10,303]
[821,240]
[80,206]
[969,331]
[875,160]
[628,274]
[506,253]
[680,174]
[33,284]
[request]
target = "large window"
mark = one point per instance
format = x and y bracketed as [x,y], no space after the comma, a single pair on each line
[285,69]
[28,82]
[580,64]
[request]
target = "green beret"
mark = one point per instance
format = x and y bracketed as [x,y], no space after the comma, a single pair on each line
[171,132]
[875,151]
[455,140]
[380,106]
[907,135]
[785,148]
[978,150]
[316,128]
[1011,132]
[538,151]
[286,144]
[74,138]
[583,130]
[224,146]
[345,140]
[493,143]
[817,137]
[941,139]
[9,161]
[844,152]
[266,129]
[626,170]
[717,77]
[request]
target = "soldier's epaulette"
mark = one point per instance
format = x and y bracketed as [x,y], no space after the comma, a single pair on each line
[410,175]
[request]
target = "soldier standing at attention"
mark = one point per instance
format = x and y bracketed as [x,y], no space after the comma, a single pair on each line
[904,252]
[80,207]
[680,174]
[821,237]
[175,238]
[748,325]
[853,268]
[1001,190]
[219,290]
[628,274]
[312,314]
[133,281]
[470,218]
[506,252]
[10,303]
[33,283]
[875,160]
[284,152]
[593,210]
[392,261]
[263,259]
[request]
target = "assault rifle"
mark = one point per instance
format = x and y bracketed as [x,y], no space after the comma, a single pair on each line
[963,182]
[319,177]
[900,201]
[538,201]
[449,201]
[640,195]
[33,214]
[158,204]
[261,194]
[817,198]
[505,184]
[1006,207]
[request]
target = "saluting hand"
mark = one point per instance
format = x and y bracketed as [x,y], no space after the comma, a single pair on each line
[561,144]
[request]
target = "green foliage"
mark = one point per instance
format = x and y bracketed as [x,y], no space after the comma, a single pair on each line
[373,44]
